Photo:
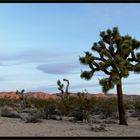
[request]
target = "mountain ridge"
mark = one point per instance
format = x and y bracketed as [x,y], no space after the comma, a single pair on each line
[45,95]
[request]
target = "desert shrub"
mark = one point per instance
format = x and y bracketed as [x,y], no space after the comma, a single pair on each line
[137,105]
[31,117]
[8,101]
[36,102]
[107,106]
[51,108]
[129,104]
[77,106]
[65,105]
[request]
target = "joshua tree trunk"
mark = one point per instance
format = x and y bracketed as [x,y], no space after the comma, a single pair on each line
[62,93]
[121,109]
[67,87]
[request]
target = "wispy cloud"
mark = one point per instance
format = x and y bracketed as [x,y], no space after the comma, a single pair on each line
[33,56]
[58,68]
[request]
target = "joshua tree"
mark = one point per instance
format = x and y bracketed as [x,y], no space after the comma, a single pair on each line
[20,94]
[60,87]
[22,97]
[116,57]
[68,83]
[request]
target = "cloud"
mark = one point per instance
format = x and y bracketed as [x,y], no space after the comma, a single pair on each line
[58,68]
[33,56]
[66,68]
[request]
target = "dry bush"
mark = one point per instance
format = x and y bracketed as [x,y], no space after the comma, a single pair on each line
[77,106]
[129,104]
[107,106]
[8,101]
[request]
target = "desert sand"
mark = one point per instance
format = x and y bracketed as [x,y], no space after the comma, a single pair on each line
[63,128]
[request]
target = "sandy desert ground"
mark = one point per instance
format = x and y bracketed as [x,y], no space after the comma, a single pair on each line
[16,127]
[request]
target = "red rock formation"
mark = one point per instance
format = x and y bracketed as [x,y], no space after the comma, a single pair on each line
[11,95]
[43,95]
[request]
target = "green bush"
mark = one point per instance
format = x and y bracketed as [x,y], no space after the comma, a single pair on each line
[137,105]
[77,106]
[40,103]
[8,101]
[129,104]
[107,106]
[65,105]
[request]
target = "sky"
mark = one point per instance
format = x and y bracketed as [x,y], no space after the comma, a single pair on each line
[41,43]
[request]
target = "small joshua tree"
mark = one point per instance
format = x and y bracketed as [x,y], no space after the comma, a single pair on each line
[22,97]
[116,57]
[61,87]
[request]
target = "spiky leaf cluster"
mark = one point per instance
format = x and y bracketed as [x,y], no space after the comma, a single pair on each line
[116,58]
[60,86]
[20,92]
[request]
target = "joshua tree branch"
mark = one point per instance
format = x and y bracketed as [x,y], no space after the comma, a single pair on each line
[133,57]
[106,72]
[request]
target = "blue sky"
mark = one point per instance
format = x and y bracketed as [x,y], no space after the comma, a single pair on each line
[41,43]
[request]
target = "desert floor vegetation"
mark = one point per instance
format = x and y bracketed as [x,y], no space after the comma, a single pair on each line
[91,116]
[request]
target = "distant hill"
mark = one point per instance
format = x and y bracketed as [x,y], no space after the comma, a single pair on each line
[44,95]
[41,95]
